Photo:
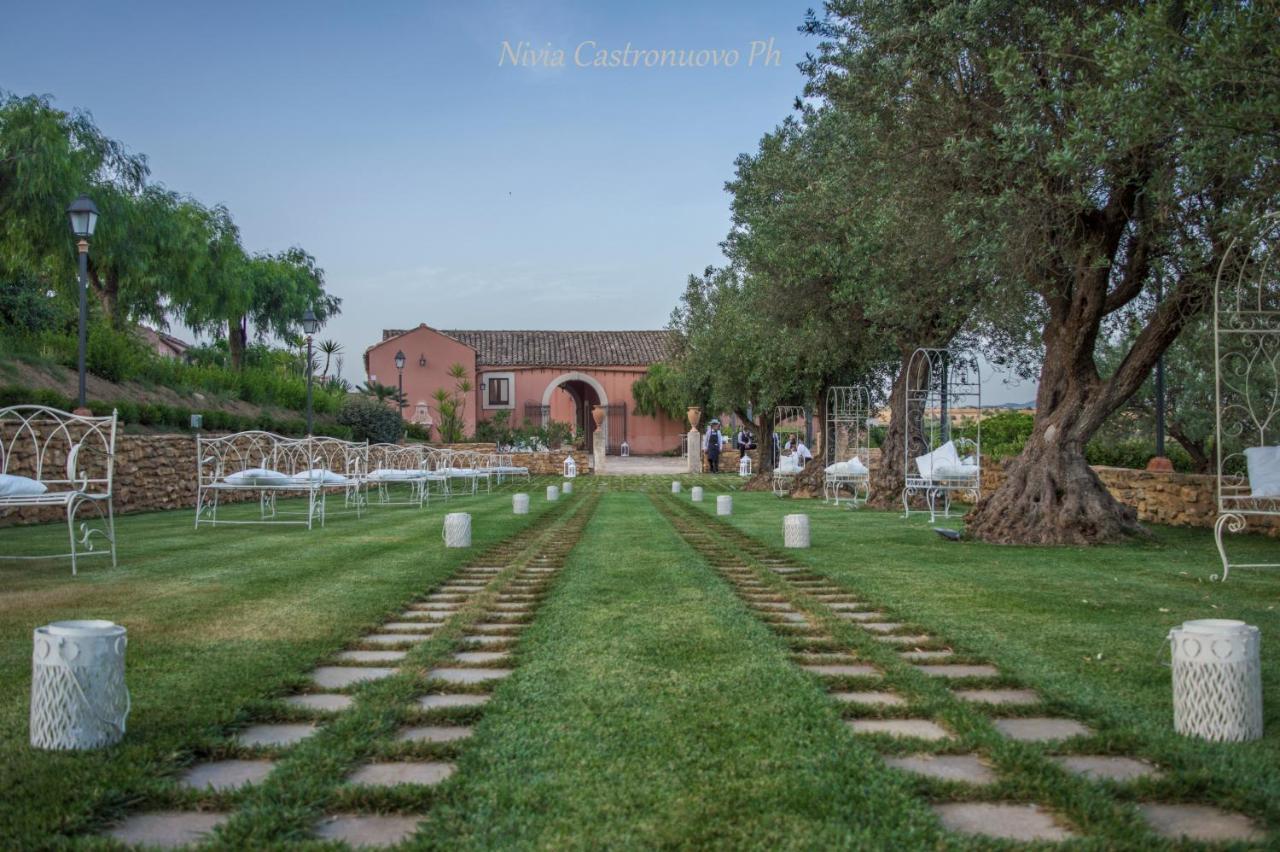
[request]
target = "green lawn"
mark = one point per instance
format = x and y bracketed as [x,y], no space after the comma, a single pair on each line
[1085,627]
[649,706]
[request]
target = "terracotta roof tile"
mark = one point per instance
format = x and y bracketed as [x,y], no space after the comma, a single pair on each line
[564,348]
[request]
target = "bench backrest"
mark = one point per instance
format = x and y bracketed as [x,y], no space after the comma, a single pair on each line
[65,451]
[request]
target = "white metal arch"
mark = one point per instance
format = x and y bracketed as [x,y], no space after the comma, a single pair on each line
[938,381]
[1246,349]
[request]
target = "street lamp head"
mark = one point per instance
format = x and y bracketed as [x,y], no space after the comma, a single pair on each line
[83,214]
[309,322]
[399,360]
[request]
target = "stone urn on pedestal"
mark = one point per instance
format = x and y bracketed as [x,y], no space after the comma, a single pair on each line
[694,439]
[597,451]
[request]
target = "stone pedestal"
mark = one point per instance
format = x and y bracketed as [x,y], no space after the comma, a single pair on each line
[695,451]
[598,452]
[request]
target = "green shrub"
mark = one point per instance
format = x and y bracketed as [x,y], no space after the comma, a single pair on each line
[115,355]
[372,422]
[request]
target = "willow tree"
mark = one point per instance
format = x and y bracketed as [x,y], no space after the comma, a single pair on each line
[1095,139]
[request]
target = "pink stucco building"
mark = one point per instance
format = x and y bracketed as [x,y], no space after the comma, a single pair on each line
[535,375]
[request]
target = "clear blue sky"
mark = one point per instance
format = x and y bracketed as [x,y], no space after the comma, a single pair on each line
[431,182]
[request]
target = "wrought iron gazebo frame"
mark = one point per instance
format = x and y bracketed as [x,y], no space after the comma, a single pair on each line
[1246,351]
[847,436]
[938,381]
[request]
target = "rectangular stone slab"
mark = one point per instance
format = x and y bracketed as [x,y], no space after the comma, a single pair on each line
[226,774]
[1021,822]
[920,729]
[448,699]
[981,670]
[337,677]
[843,670]
[428,773]
[459,675]
[374,830]
[166,829]
[966,768]
[325,702]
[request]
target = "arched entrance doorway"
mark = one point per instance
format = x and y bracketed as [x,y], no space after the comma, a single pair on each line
[584,392]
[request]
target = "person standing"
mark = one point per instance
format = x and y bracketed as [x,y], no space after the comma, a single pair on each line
[711,446]
[744,442]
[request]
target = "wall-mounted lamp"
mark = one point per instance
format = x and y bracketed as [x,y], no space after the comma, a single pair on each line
[422,360]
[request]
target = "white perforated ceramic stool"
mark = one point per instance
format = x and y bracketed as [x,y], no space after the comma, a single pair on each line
[1217,680]
[724,505]
[566,487]
[553,494]
[696,493]
[675,486]
[795,531]
[78,695]
[457,529]
[520,504]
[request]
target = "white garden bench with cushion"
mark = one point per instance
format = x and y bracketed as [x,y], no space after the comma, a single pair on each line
[952,468]
[268,465]
[54,459]
[469,467]
[400,474]
[851,474]
[789,467]
[504,467]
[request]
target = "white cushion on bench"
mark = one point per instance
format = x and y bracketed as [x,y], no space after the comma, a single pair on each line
[258,476]
[12,485]
[1264,471]
[322,475]
[930,464]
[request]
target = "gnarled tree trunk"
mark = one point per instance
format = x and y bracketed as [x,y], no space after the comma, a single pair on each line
[237,340]
[887,478]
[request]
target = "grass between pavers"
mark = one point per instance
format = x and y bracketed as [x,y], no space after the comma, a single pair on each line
[221,621]
[651,709]
[1084,627]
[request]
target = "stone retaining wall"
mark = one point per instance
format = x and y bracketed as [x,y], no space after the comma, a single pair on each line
[155,472]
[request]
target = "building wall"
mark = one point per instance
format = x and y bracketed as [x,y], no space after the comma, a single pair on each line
[420,382]
[645,435]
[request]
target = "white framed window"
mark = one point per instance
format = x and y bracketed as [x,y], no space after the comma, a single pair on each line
[498,390]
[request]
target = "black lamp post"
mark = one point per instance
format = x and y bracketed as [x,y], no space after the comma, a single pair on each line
[310,325]
[83,214]
[400,370]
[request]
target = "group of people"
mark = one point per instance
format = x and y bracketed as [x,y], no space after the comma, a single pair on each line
[715,442]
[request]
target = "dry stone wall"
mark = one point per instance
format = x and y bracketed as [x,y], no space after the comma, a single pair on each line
[158,472]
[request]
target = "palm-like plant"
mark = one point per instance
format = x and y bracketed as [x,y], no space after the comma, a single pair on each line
[330,349]
[382,393]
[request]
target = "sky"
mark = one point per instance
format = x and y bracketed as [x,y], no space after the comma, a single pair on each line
[433,157]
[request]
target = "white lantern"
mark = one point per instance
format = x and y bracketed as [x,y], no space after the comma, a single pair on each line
[626,449]
[457,529]
[570,467]
[79,699]
[1217,680]
[744,466]
[795,531]
[724,505]
[520,504]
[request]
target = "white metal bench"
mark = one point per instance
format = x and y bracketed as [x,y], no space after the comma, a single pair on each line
[71,460]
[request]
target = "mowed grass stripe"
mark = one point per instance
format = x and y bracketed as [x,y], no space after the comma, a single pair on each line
[651,708]
[219,620]
[1084,627]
